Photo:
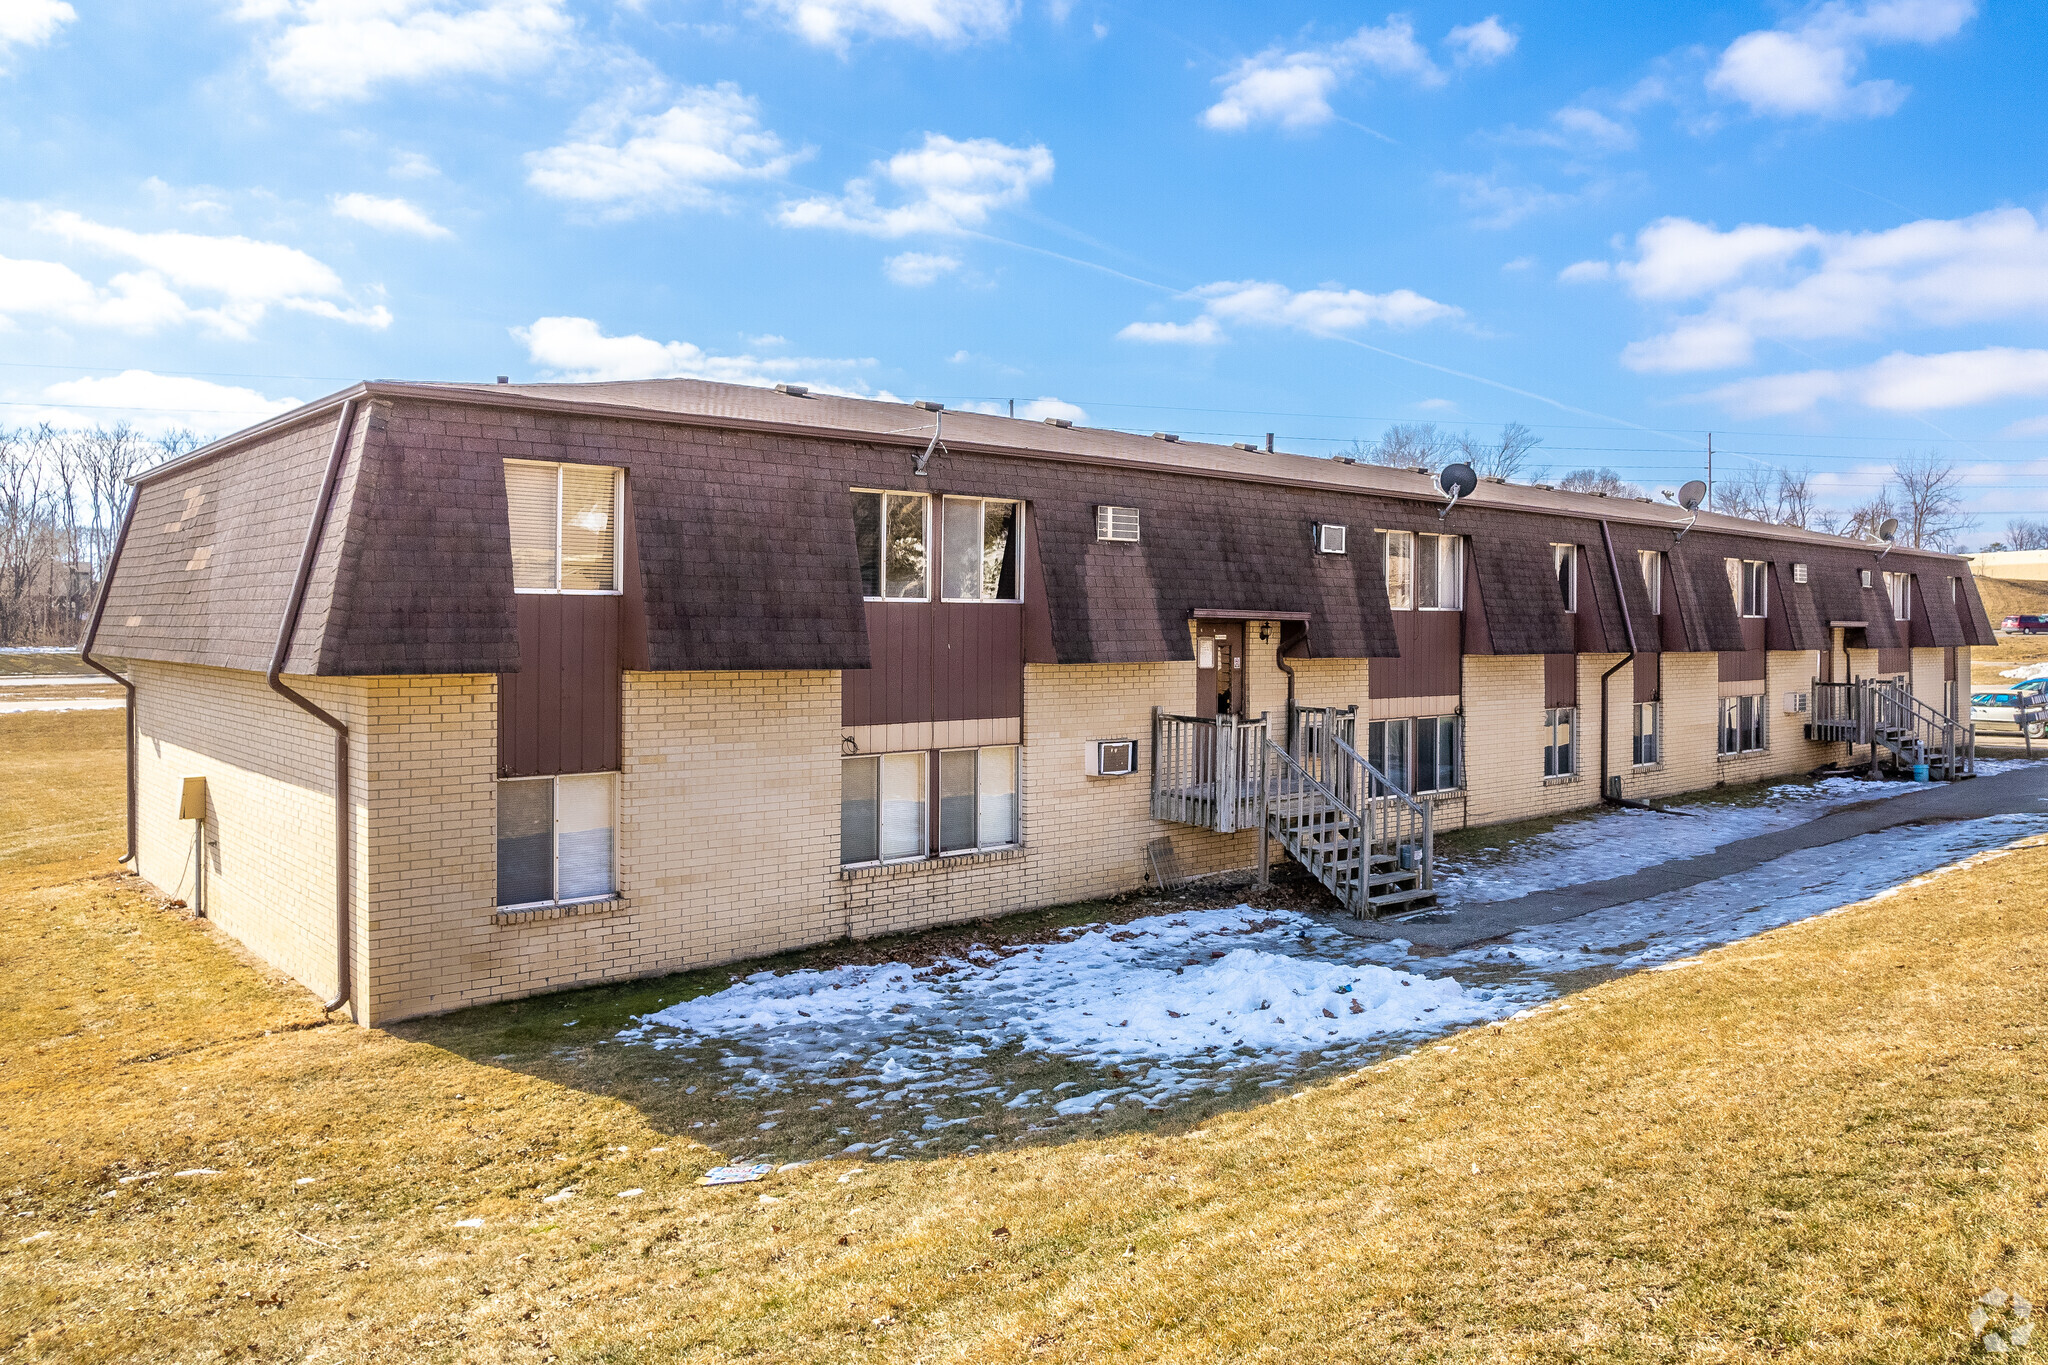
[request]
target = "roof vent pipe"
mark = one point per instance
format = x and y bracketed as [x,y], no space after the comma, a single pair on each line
[794,390]
[504,379]
[1242,445]
[343,928]
[928,405]
[1269,442]
[1059,422]
[1164,436]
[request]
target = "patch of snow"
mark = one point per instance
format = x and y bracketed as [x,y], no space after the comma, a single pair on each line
[197,1170]
[469,1222]
[1614,843]
[628,1194]
[1145,992]
[16,708]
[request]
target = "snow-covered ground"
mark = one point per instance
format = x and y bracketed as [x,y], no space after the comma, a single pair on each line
[1615,842]
[56,692]
[1173,1007]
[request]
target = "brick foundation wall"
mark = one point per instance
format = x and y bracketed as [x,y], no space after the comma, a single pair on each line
[269,770]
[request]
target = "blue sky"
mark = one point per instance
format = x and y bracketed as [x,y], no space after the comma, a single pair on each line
[1816,231]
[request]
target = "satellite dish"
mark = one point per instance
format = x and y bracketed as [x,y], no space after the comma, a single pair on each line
[1888,529]
[1692,495]
[1455,481]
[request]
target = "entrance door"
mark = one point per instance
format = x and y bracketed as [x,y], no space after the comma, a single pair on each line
[1219,670]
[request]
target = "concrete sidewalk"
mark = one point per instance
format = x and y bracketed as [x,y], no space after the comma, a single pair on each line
[2023,789]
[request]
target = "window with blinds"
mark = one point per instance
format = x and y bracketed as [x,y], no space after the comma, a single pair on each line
[555,838]
[565,526]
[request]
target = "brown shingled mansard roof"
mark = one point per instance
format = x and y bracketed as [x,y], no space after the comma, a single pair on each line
[744,536]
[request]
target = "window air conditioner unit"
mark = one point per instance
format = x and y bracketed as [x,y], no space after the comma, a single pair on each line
[1116,523]
[1796,703]
[1112,758]
[1329,538]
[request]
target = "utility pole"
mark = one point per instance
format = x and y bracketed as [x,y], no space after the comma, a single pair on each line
[1710,469]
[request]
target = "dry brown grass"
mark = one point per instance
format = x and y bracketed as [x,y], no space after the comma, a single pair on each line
[2005,597]
[1821,1143]
[60,787]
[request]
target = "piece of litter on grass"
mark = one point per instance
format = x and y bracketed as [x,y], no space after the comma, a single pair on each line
[571,1024]
[2022,1334]
[197,1170]
[469,1223]
[1994,1343]
[146,1175]
[771,1199]
[1978,1317]
[628,1194]
[791,1165]
[735,1175]
[1994,1298]
[305,1180]
[559,1195]
[36,1236]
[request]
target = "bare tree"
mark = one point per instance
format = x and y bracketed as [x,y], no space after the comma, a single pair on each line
[1502,458]
[2021,534]
[1865,519]
[1930,500]
[1601,480]
[1405,445]
[27,537]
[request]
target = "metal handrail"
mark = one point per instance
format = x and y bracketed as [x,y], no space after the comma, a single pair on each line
[1297,794]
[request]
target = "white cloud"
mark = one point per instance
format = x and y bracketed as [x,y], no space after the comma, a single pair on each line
[388,215]
[1518,263]
[2031,426]
[1898,383]
[31,23]
[1810,67]
[1583,272]
[321,51]
[1203,331]
[915,269]
[1578,130]
[1494,205]
[577,349]
[948,186]
[235,280]
[1292,89]
[624,161]
[833,23]
[1320,312]
[1758,282]
[1435,405]
[159,402]
[1483,43]
[413,166]
[1032,409]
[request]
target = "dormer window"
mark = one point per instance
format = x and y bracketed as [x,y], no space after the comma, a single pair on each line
[1748,583]
[1564,559]
[565,526]
[978,558]
[891,531]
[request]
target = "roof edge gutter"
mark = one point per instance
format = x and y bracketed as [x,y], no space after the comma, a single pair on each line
[298,416]
[92,633]
[344,985]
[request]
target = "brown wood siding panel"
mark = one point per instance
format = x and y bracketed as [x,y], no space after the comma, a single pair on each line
[560,712]
[978,661]
[1891,661]
[1649,669]
[1560,680]
[1756,634]
[897,689]
[1743,665]
[1431,647]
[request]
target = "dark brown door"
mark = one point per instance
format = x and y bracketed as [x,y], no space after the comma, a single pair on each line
[1219,671]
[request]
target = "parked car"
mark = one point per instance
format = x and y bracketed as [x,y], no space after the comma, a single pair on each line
[2024,625]
[2003,708]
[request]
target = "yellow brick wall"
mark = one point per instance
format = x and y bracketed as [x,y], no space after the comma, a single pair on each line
[1930,677]
[269,770]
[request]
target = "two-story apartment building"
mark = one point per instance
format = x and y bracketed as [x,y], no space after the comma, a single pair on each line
[498,689]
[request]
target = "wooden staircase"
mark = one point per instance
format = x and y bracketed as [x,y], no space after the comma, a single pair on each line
[1369,843]
[1901,730]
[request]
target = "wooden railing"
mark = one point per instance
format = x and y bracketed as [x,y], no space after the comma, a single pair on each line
[1208,771]
[1881,712]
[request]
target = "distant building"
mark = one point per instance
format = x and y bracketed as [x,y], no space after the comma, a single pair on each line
[2029,566]
[641,677]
